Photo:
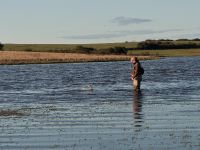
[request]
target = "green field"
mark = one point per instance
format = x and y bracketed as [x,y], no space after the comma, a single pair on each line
[130,46]
[64,47]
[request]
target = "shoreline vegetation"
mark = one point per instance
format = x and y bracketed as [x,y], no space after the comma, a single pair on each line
[74,53]
[20,57]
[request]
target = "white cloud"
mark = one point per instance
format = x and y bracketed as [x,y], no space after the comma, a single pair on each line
[128,20]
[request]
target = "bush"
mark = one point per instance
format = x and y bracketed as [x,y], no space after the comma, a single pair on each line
[120,50]
[165,40]
[1,46]
[115,50]
[28,49]
[182,40]
[197,39]
[81,49]
[154,45]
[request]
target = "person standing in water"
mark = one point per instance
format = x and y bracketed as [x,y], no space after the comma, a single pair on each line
[136,74]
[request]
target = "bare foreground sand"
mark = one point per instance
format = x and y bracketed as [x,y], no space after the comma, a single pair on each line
[20,57]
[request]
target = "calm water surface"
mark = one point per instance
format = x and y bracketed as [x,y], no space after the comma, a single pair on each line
[93,106]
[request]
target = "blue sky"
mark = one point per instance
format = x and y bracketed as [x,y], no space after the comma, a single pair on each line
[97,21]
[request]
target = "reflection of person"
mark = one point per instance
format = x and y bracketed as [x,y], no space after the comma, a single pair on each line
[135,75]
[137,105]
[137,110]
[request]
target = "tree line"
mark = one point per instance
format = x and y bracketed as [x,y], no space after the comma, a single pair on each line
[161,44]
[88,50]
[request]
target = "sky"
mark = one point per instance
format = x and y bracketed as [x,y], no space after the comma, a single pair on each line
[97,21]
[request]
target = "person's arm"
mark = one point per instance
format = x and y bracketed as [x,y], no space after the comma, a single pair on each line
[136,71]
[132,73]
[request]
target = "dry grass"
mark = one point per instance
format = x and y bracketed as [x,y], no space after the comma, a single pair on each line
[20,57]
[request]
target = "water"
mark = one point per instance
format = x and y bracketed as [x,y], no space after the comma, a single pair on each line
[93,106]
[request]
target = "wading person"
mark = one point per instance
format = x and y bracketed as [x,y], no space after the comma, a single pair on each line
[137,73]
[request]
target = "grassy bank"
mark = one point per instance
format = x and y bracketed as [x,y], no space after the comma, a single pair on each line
[20,57]
[98,47]
[64,47]
[166,53]
[60,53]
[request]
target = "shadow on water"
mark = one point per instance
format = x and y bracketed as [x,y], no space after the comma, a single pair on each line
[137,110]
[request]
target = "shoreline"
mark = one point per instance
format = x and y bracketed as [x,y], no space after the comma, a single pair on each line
[22,57]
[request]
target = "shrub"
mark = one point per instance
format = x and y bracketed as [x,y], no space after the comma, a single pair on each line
[1,46]
[120,50]
[115,50]
[153,45]
[81,49]
[167,40]
[197,39]
[28,49]
[182,40]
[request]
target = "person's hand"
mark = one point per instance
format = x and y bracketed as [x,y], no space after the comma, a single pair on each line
[132,77]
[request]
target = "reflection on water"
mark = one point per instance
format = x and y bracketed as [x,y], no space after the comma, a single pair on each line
[85,106]
[137,109]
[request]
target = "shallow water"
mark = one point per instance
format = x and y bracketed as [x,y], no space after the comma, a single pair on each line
[93,106]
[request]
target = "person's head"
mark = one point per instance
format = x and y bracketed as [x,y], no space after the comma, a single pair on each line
[134,59]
